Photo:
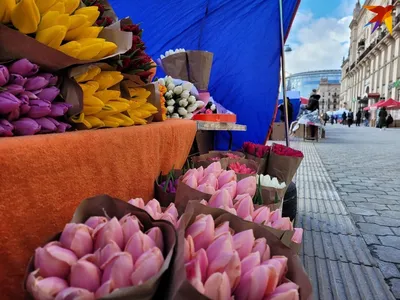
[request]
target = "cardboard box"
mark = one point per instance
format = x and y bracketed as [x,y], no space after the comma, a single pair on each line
[300,132]
[278,132]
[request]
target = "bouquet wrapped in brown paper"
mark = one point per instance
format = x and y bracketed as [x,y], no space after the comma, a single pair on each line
[165,187]
[109,249]
[242,167]
[283,163]
[176,66]
[228,255]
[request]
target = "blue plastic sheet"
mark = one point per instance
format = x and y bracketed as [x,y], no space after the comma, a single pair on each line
[244,36]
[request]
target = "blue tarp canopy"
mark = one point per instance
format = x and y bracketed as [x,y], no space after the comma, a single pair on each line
[244,36]
[294,97]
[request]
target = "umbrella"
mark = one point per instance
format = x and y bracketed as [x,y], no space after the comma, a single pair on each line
[390,103]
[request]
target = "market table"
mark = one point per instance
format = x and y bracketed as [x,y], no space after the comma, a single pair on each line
[43,178]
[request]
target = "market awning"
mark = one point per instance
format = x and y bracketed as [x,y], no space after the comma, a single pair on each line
[376,105]
[303,100]
[390,103]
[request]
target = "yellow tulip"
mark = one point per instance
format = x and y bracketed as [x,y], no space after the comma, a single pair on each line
[89,88]
[106,111]
[127,120]
[89,74]
[80,119]
[91,110]
[111,124]
[113,119]
[90,51]
[107,95]
[137,120]
[91,41]
[139,93]
[95,122]
[107,79]
[77,21]
[92,13]
[119,106]
[71,48]
[52,36]
[71,5]
[73,34]
[58,6]
[52,18]
[149,107]
[92,101]
[26,16]
[44,5]
[5,11]
[89,33]
[108,49]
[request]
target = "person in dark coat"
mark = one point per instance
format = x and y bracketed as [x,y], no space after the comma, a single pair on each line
[358,118]
[382,118]
[290,111]
[332,119]
[350,118]
[367,115]
[313,101]
[344,118]
[389,120]
[325,118]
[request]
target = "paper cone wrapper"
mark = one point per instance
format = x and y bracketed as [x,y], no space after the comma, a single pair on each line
[268,195]
[175,65]
[104,205]
[199,64]
[183,290]
[283,167]
[261,161]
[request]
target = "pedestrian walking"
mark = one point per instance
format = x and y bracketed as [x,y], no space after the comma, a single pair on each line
[382,118]
[350,118]
[344,117]
[389,120]
[358,118]
[367,115]
[325,118]
[336,118]
[332,119]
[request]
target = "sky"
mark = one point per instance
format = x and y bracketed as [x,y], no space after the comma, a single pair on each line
[320,35]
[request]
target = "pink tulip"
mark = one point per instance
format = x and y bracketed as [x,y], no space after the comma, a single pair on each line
[217,287]
[221,198]
[105,289]
[189,173]
[190,252]
[206,188]
[261,246]
[250,262]
[155,206]
[221,254]
[104,254]
[198,285]
[286,291]
[283,224]
[247,186]
[274,270]
[243,242]
[171,209]
[202,231]
[107,232]
[204,202]
[44,288]
[93,222]
[147,266]
[244,207]
[77,238]
[283,260]
[214,168]
[138,244]
[275,215]
[167,217]
[196,269]
[73,293]
[226,177]
[233,269]
[200,173]
[156,235]
[118,269]
[130,225]
[152,213]
[138,202]
[229,209]
[230,187]
[53,260]
[223,228]
[210,179]
[253,284]
[191,181]
[261,215]
[85,275]
[298,235]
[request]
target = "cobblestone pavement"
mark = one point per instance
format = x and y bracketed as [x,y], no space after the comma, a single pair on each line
[364,166]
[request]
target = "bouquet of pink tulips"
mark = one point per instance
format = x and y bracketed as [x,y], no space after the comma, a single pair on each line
[110,248]
[226,258]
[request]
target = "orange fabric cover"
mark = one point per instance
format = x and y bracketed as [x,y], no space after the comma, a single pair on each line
[43,178]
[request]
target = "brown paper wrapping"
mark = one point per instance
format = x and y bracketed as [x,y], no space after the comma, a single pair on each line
[261,161]
[199,65]
[268,195]
[176,66]
[185,193]
[283,167]
[111,207]
[182,289]
[165,198]
[225,162]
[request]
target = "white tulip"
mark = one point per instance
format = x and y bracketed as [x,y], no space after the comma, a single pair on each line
[162,56]
[183,103]
[168,96]
[189,116]
[185,94]
[171,86]
[200,104]
[170,109]
[171,102]
[192,99]
[161,81]
[191,108]
[175,116]
[178,90]
[182,111]
[168,80]
[213,107]
[187,86]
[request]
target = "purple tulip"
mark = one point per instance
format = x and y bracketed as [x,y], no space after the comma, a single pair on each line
[30,95]
[49,94]
[63,127]
[46,125]
[52,79]
[23,67]
[14,89]
[18,79]
[4,75]
[14,115]
[39,109]
[36,83]
[6,128]
[25,107]
[26,126]
[59,109]
[8,103]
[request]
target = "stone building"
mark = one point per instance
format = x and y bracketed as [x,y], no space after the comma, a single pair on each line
[372,69]
[329,95]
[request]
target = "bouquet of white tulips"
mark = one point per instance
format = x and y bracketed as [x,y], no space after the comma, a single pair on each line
[170,52]
[180,101]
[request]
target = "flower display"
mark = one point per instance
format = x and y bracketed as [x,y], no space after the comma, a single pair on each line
[223,264]
[29,101]
[94,259]
[61,25]
[267,181]
[181,103]
[286,151]
[162,89]
[171,52]
[241,168]
[257,150]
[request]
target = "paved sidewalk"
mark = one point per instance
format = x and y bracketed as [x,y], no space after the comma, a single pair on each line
[334,252]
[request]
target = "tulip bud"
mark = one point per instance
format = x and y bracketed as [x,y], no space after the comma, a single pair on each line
[155,206]
[243,242]
[298,235]
[283,224]
[226,177]
[44,288]
[210,179]
[25,126]
[24,68]
[138,202]
[46,125]
[191,108]
[72,293]
[287,290]
[147,266]
[202,231]
[214,168]
[91,12]
[36,83]
[175,116]
[118,269]
[261,246]
[130,225]
[185,94]
[156,235]
[107,232]
[49,94]
[39,109]
[183,112]
[191,181]
[62,127]
[105,289]
[6,128]
[26,16]
[52,79]
[103,255]
[257,278]
[230,187]
[138,244]
[206,188]
[244,207]
[261,215]
[17,79]
[221,198]
[171,87]
[93,222]
[14,89]
[4,75]
[247,186]
[196,268]
[53,260]
[187,86]
[85,275]
[250,262]
[171,209]
[77,238]
[58,109]
[218,287]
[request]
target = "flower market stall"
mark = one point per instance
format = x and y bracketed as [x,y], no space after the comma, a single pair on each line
[98,197]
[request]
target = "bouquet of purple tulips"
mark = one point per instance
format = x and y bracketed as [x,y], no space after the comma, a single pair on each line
[28,101]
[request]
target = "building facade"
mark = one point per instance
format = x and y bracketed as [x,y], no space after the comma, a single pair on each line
[305,82]
[329,95]
[371,71]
